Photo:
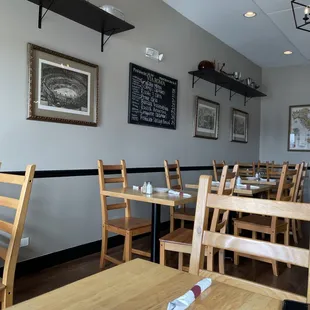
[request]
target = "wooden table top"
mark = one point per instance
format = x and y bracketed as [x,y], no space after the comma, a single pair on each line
[159,198]
[140,284]
[238,190]
[255,182]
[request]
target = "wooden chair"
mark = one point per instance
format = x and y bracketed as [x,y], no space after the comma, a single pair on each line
[203,238]
[15,229]
[267,225]
[299,194]
[246,169]
[263,168]
[173,172]
[127,226]
[217,169]
[180,240]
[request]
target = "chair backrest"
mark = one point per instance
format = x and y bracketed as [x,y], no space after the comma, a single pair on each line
[246,169]
[173,172]
[16,228]
[103,181]
[203,237]
[299,193]
[226,176]
[217,169]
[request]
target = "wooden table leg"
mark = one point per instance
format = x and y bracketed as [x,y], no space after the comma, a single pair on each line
[155,232]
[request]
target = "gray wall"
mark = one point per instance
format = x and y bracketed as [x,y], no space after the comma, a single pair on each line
[286,86]
[66,212]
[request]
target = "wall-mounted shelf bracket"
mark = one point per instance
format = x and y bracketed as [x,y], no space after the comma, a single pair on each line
[103,42]
[231,94]
[41,15]
[246,99]
[195,81]
[217,88]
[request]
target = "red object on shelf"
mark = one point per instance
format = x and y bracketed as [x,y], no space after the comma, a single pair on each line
[206,64]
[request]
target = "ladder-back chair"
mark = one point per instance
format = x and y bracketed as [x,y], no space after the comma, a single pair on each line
[217,169]
[174,181]
[246,169]
[180,240]
[203,238]
[270,225]
[15,229]
[127,226]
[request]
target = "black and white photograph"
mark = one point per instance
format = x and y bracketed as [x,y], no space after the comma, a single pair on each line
[62,88]
[206,118]
[239,130]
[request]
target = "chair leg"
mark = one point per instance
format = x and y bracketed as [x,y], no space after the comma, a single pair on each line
[171,220]
[180,261]
[236,233]
[210,258]
[294,230]
[254,235]
[124,251]
[104,246]
[162,258]
[221,261]
[274,263]
[182,223]
[128,246]
[287,237]
[299,229]
[7,298]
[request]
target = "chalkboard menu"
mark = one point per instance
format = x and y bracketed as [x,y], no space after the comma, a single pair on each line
[152,98]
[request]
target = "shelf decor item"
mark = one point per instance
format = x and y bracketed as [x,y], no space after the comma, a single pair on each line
[206,64]
[62,89]
[299,128]
[206,118]
[239,126]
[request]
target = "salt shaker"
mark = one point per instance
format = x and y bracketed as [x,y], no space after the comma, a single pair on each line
[144,188]
[149,188]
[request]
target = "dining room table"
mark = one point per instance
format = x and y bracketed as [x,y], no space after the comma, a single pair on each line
[249,190]
[271,182]
[157,199]
[139,284]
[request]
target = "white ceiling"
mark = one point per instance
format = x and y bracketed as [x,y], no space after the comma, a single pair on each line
[262,39]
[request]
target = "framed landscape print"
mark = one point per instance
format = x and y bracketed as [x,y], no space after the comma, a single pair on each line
[206,118]
[62,89]
[239,126]
[299,128]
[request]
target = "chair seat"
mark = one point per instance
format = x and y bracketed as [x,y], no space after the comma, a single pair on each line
[258,220]
[179,236]
[129,223]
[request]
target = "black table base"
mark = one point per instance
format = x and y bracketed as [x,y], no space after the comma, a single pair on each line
[155,232]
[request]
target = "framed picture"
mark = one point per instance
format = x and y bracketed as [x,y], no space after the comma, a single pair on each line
[239,126]
[206,119]
[62,89]
[299,128]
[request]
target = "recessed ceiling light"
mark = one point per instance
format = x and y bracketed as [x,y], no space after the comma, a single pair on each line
[249,14]
[288,53]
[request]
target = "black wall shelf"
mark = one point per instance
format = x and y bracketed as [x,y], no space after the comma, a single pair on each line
[221,80]
[84,13]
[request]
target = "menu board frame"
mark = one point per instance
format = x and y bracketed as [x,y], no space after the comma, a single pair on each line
[172,126]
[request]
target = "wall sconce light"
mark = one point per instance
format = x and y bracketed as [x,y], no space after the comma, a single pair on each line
[153,54]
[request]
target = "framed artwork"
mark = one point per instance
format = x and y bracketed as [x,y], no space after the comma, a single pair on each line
[206,118]
[62,89]
[239,126]
[299,128]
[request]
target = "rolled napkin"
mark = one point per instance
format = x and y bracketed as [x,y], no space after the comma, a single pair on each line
[137,188]
[265,180]
[254,187]
[215,183]
[176,193]
[183,302]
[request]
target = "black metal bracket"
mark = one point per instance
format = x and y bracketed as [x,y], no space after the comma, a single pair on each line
[103,42]
[194,82]
[41,15]
[231,94]
[246,99]
[217,88]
